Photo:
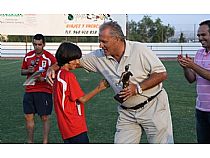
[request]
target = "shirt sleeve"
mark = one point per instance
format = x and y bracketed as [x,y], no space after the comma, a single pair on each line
[53,60]
[151,62]
[89,61]
[74,88]
[24,64]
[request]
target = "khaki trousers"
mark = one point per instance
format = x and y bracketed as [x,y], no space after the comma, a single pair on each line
[154,119]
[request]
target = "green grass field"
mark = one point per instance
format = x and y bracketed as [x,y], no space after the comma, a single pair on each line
[101,111]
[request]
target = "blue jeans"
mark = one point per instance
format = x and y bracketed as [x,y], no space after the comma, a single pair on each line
[203,126]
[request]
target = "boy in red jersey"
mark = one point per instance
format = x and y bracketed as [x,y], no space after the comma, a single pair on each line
[38,96]
[69,98]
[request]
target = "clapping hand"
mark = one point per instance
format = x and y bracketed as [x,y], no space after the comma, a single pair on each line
[186,61]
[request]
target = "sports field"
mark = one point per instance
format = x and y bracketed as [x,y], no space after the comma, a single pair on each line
[101,111]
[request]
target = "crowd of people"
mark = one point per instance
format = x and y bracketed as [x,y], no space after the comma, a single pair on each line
[134,73]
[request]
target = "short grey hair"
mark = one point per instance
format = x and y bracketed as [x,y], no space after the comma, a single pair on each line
[115,31]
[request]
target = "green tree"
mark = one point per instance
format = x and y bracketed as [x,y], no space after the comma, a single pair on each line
[182,39]
[170,32]
[132,30]
[147,30]
[19,38]
[158,32]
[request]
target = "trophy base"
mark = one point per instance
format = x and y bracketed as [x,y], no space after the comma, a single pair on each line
[118,98]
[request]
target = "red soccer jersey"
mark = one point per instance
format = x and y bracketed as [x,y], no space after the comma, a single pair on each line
[70,117]
[42,62]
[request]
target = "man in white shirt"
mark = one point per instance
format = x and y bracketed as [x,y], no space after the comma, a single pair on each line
[145,103]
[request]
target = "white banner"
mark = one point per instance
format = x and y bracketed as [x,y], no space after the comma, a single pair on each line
[57,24]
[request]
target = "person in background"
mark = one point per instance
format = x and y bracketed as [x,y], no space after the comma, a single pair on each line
[69,98]
[145,102]
[38,96]
[198,70]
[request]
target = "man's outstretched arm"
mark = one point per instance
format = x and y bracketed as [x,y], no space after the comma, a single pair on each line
[50,76]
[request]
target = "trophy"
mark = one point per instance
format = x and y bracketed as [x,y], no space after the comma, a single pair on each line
[124,78]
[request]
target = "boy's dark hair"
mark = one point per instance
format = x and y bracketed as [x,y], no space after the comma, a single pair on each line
[39,37]
[206,22]
[67,52]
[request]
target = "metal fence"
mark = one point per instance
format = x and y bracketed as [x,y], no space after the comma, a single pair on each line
[162,50]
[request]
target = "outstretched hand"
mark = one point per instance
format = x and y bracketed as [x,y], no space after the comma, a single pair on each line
[50,76]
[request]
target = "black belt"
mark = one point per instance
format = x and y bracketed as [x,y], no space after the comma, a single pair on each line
[141,105]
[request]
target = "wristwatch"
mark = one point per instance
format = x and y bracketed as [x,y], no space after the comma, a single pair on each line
[139,89]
